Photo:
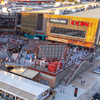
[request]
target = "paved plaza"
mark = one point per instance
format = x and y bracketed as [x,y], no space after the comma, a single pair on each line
[92,80]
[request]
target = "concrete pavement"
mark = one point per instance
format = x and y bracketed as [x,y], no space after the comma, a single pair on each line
[88,76]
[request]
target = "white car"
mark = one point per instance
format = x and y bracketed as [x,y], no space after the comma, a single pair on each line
[97,70]
[74,10]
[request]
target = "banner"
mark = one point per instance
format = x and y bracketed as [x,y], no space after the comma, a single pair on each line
[58,21]
[28,56]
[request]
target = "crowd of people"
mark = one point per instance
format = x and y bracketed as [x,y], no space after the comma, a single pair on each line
[75,54]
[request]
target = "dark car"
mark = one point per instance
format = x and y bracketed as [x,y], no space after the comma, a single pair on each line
[96,96]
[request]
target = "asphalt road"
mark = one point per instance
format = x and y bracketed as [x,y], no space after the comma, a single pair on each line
[88,94]
[94,89]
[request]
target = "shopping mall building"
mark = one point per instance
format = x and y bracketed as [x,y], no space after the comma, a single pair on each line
[81,26]
[78,30]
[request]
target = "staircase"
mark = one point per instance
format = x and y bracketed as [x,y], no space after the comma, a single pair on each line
[65,79]
[72,77]
[10,56]
[73,72]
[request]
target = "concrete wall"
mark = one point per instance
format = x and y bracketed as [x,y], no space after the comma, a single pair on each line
[45,77]
[61,75]
[89,57]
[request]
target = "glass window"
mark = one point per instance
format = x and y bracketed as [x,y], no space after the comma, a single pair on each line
[68,32]
[42,81]
[46,83]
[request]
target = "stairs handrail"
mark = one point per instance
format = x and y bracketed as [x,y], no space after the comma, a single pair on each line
[76,71]
[9,55]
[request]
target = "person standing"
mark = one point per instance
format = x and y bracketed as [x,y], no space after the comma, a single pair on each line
[81,82]
[19,61]
[60,90]
[24,62]
[9,60]
[63,90]
[1,61]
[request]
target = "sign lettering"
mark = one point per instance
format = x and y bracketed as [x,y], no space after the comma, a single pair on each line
[81,23]
[58,21]
[57,39]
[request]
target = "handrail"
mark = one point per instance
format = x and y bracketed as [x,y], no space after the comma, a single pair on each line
[76,71]
[19,53]
[9,55]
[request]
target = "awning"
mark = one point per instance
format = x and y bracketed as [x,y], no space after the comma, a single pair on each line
[26,95]
[78,42]
[24,72]
[30,73]
[4,85]
[13,90]
[18,70]
[69,41]
[86,44]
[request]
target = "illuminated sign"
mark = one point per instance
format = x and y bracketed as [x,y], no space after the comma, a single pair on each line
[57,39]
[81,23]
[58,21]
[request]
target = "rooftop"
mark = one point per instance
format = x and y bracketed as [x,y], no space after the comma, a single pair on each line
[21,84]
[92,13]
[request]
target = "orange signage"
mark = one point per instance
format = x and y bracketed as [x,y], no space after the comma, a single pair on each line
[81,23]
[57,39]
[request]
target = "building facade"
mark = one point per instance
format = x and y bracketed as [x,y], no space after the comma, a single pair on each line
[72,28]
[8,23]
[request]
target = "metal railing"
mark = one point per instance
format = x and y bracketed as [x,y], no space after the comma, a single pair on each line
[9,55]
[78,67]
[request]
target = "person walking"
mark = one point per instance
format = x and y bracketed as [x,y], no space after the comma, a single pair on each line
[81,82]
[1,61]
[63,90]
[24,62]
[9,60]
[19,61]
[60,90]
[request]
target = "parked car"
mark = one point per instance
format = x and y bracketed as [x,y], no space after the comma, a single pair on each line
[96,96]
[97,70]
[74,10]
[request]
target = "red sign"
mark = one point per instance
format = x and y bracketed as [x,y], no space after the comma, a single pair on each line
[81,23]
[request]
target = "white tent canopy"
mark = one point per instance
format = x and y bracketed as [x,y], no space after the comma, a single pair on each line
[18,70]
[30,73]
[24,72]
[20,86]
